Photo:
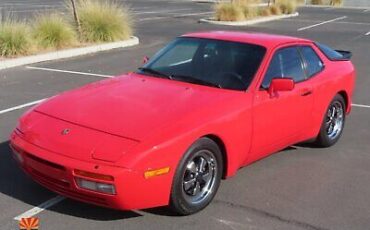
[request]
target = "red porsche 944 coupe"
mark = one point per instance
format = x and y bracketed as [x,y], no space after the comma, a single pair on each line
[205,105]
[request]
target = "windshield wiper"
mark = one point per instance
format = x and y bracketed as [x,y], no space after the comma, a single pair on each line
[179,77]
[156,72]
[192,79]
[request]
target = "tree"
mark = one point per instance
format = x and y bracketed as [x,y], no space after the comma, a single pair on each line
[75,15]
[269,2]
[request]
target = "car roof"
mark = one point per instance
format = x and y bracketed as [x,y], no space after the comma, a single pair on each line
[266,40]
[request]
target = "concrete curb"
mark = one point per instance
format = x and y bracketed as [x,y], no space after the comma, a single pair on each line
[209,1]
[249,22]
[60,54]
[336,7]
[223,1]
[308,5]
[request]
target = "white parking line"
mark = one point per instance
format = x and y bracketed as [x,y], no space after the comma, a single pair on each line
[52,70]
[21,106]
[174,16]
[361,106]
[160,12]
[68,71]
[321,23]
[368,33]
[34,211]
[152,18]
[316,21]
[192,14]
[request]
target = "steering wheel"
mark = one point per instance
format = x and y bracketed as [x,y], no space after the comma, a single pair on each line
[231,79]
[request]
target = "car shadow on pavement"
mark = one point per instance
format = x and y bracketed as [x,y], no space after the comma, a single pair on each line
[16,184]
[161,211]
[92,212]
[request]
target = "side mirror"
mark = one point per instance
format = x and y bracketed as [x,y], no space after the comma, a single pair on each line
[281,84]
[145,59]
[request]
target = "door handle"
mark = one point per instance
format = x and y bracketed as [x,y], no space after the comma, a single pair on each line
[306,93]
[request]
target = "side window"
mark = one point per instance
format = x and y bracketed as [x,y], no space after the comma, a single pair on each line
[285,63]
[274,70]
[313,62]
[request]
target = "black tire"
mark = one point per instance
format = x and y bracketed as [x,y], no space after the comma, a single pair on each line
[326,138]
[189,178]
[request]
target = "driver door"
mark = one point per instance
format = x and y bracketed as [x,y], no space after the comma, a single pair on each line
[280,119]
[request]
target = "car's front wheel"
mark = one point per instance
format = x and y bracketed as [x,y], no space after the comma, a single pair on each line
[197,177]
[333,123]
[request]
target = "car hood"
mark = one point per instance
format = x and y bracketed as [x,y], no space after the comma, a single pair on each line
[132,106]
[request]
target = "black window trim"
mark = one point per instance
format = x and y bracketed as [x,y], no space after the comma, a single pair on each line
[302,64]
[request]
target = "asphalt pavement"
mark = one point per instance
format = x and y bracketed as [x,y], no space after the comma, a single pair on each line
[298,188]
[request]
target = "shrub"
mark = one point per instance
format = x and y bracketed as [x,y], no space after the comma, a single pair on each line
[287,6]
[317,2]
[275,10]
[104,21]
[336,2]
[250,11]
[229,12]
[14,38]
[301,2]
[245,2]
[265,12]
[52,30]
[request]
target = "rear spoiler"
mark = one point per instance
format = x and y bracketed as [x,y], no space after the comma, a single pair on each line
[346,55]
[334,55]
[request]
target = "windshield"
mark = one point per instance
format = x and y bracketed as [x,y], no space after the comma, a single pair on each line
[215,63]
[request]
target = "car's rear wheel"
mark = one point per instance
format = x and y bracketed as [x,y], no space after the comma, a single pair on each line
[197,177]
[333,123]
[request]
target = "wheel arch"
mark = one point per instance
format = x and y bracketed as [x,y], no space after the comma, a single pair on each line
[345,96]
[223,150]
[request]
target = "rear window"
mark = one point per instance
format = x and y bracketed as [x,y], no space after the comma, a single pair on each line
[329,52]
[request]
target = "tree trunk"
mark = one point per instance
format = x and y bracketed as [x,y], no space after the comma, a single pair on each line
[75,15]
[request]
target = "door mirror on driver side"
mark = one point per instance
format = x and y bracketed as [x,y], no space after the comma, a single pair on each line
[281,84]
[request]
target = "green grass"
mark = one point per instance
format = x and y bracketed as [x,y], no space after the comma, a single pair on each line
[104,21]
[53,31]
[14,38]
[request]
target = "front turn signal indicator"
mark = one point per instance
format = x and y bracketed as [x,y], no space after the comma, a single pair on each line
[156,172]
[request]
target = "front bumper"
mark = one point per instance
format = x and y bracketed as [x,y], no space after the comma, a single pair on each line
[56,172]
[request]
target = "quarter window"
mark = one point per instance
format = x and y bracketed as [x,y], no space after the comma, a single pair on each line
[286,63]
[313,62]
